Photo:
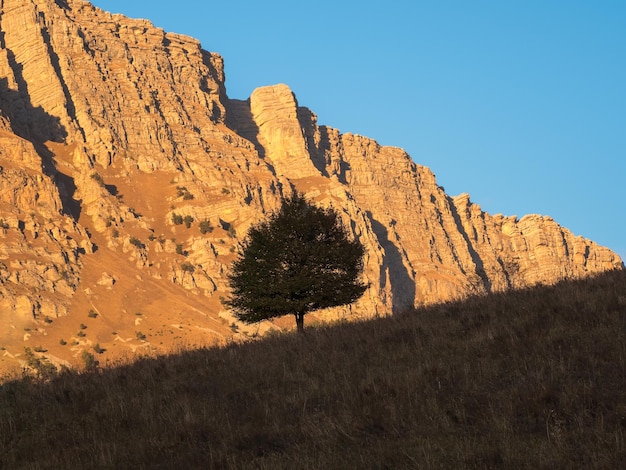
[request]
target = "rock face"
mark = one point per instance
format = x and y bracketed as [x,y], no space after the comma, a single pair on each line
[127,176]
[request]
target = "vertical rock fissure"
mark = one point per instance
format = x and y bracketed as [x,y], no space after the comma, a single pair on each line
[54,60]
[308,123]
[392,266]
[37,126]
[476,258]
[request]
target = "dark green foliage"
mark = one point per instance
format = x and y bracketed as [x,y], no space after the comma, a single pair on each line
[89,361]
[297,261]
[188,267]
[41,366]
[205,227]
[136,242]
[188,220]
[184,193]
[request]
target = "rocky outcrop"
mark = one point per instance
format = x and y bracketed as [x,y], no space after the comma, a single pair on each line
[430,246]
[127,177]
[40,246]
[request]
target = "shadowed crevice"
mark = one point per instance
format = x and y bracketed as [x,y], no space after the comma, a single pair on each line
[239,119]
[54,60]
[308,124]
[478,262]
[63,4]
[35,125]
[338,167]
[215,66]
[402,283]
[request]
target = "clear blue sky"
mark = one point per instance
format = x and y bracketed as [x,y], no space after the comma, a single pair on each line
[522,104]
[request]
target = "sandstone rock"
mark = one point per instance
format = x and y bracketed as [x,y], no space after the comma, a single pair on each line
[112,129]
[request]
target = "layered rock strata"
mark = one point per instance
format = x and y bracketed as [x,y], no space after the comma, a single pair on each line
[128,177]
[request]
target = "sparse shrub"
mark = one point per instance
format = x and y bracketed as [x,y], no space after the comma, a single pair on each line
[188,220]
[179,249]
[188,267]
[98,349]
[115,233]
[92,314]
[44,369]
[184,193]
[136,214]
[40,349]
[152,237]
[89,361]
[136,242]
[81,334]
[62,342]
[177,219]
[47,320]
[140,336]
[205,227]
[83,326]
[225,191]
[232,233]
[97,178]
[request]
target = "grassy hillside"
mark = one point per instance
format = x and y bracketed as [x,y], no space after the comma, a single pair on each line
[528,379]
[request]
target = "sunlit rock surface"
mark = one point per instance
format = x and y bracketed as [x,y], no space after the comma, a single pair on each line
[128,177]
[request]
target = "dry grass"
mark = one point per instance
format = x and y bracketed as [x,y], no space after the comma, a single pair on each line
[528,379]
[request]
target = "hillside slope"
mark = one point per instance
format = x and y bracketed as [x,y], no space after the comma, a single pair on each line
[523,379]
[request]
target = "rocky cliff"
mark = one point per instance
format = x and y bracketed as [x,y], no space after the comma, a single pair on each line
[127,177]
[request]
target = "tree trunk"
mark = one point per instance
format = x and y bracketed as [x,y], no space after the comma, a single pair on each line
[300,322]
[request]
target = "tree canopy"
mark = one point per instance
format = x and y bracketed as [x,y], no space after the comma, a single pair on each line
[298,260]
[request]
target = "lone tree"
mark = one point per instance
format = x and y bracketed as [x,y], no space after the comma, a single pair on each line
[298,260]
